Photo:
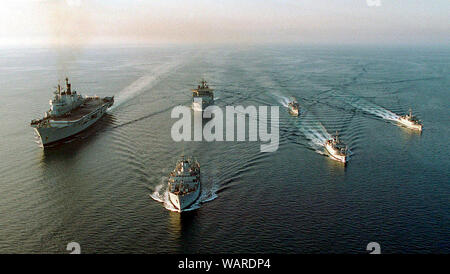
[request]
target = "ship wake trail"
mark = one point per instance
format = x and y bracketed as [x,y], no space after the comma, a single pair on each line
[372,108]
[314,131]
[283,100]
[208,193]
[143,83]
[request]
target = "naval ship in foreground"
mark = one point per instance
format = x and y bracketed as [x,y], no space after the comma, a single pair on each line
[336,149]
[202,97]
[184,184]
[294,107]
[410,121]
[69,114]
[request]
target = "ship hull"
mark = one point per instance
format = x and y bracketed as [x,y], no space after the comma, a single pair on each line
[182,202]
[293,112]
[334,155]
[57,131]
[201,103]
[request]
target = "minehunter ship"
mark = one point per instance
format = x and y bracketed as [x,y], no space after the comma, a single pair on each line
[69,114]
[294,107]
[410,121]
[202,97]
[336,149]
[184,184]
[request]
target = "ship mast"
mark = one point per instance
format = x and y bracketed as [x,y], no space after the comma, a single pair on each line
[204,84]
[68,91]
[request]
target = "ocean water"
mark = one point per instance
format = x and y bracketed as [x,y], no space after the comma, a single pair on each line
[105,188]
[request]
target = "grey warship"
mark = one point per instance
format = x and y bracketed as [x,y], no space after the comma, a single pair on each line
[69,114]
[202,96]
[184,183]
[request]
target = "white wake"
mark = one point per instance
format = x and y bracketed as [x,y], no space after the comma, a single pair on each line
[373,109]
[283,100]
[314,131]
[143,83]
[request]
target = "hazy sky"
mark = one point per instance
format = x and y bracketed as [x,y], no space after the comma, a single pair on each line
[25,22]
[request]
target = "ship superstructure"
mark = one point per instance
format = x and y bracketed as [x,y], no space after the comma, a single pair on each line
[410,121]
[202,96]
[336,149]
[184,184]
[69,114]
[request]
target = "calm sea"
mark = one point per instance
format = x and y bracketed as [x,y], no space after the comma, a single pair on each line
[105,188]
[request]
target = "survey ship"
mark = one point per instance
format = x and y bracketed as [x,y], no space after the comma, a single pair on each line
[336,149]
[410,121]
[294,108]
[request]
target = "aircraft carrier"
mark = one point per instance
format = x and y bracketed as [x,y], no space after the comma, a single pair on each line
[69,114]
